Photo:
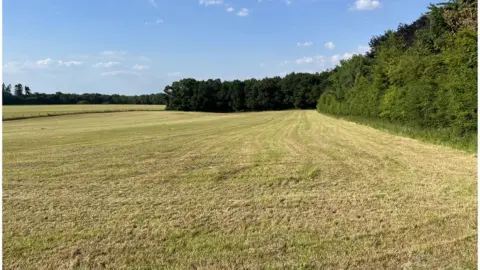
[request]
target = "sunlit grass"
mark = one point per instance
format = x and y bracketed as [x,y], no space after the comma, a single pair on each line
[32,111]
[269,190]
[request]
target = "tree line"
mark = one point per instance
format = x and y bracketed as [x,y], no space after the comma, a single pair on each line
[423,74]
[296,90]
[22,95]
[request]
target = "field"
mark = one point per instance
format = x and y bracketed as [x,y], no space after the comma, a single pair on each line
[267,190]
[31,111]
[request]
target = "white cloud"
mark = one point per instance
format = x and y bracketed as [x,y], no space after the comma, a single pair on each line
[157,21]
[366,4]
[140,67]
[44,62]
[363,49]
[230,9]
[305,44]
[288,2]
[173,74]
[307,71]
[13,67]
[304,60]
[141,58]
[320,59]
[210,2]
[153,3]
[119,72]
[347,56]
[20,67]
[113,53]
[69,63]
[106,64]
[330,45]
[335,59]
[243,12]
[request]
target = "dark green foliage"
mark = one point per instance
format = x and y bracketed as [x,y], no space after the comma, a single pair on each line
[26,97]
[422,76]
[19,90]
[27,91]
[296,90]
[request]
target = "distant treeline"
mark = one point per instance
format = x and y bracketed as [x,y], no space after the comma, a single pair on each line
[23,96]
[423,75]
[296,90]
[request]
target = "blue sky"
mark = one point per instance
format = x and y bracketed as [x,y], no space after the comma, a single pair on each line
[139,46]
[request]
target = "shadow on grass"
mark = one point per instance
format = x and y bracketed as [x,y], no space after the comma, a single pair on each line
[444,137]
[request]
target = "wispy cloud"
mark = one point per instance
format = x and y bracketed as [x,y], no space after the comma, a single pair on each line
[106,64]
[310,60]
[69,63]
[20,67]
[230,9]
[157,21]
[13,67]
[44,62]
[363,49]
[174,74]
[320,60]
[304,44]
[119,72]
[366,4]
[335,59]
[140,67]
[243,12]
[304,60]
[143,58]
[210,2]
[113,53]
[153,3]
[330,45]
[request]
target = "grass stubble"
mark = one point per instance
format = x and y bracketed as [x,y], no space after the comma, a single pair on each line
[18,112]
[267,190]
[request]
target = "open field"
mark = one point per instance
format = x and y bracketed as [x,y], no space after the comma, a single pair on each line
[32,111]
[268,190]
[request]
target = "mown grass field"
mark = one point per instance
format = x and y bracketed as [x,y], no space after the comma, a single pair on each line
[268,190]
[31,111]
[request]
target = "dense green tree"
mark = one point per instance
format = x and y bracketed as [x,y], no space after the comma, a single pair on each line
[25,96]
[422,75]
[296,90]
[19,90]
[27,91]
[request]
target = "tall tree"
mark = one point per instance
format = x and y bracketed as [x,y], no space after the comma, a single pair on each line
[8,89]
[28,92]
[19,90]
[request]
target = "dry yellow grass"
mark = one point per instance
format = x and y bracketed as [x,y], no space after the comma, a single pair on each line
[31,111]
[269,190]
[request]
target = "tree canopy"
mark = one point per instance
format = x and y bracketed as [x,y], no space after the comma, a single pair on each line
[424,74]
[296,90]
[23,96]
